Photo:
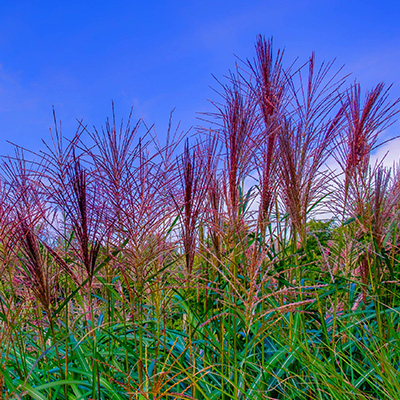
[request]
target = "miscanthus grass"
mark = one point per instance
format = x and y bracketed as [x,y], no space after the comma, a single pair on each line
[199,269]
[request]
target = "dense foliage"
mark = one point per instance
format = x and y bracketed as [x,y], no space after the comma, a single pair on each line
[203,268]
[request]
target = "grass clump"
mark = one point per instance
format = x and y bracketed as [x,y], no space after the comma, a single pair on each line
[130,270]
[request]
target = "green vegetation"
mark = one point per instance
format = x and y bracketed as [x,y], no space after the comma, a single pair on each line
[141,271]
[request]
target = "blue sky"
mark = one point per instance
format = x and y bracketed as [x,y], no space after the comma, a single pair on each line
[160,55]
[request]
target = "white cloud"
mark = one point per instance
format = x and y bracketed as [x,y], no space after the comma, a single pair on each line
[388,153]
